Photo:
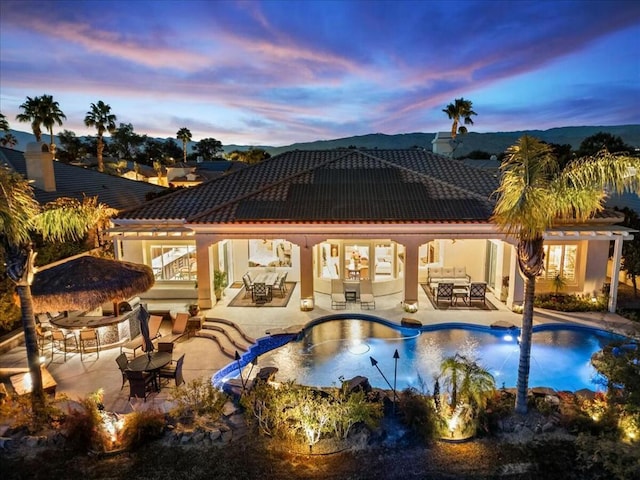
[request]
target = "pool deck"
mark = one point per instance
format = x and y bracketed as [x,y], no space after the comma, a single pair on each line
[76,378]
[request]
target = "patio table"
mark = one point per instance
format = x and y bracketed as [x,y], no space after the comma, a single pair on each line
[150,362]
[266,278]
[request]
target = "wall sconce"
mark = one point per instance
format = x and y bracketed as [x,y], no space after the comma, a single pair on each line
[306,304]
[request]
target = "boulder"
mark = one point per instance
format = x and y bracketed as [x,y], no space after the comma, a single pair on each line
[411,322]
[357,384]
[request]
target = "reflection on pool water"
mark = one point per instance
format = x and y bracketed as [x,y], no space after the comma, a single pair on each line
[335,349]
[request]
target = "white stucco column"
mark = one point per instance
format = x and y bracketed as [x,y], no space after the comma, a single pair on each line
[205,265]
[411,254]
[615,270]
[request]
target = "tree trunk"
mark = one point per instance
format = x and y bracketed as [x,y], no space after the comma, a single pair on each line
[100,148]
[525,345]
[31,340]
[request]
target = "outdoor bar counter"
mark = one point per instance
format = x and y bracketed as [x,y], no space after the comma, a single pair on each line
[112,330]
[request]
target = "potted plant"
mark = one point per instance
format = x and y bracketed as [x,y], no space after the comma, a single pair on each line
[194,309]
[504,291]
[219,283]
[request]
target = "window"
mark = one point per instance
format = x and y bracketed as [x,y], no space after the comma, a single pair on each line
[330,260]
[174,262]
[269,253]
[560,260]
[429,253]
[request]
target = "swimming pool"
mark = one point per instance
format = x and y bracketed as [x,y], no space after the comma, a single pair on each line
[335,348]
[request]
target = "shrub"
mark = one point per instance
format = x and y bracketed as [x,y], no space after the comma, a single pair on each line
[197,398]
[83,425]
[17,411]
[418,413]
[571,303]
[603,457]
[142,427]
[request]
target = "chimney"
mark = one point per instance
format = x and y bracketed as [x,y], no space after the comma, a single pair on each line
[39,163]
[443,144]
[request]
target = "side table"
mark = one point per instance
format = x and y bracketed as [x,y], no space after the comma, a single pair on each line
[194,324]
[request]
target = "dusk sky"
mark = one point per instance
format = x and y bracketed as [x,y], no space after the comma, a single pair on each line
[279,72]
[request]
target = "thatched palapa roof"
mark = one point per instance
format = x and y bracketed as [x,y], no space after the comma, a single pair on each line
[85,283]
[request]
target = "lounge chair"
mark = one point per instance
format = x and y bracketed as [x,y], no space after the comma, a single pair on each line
[367,300]
[179,328]
[338,300]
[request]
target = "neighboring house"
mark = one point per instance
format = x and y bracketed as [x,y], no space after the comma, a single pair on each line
[386,215]
[52,179]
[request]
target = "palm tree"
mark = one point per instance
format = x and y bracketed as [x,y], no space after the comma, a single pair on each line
[184,134]
[4,124]
[9,140]
[534,194]
[460,109]
[50,114]
[100,116]
[31,112]
[20,216]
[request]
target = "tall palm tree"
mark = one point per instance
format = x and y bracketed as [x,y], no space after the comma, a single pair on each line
[50,114]
[184,134]
[4,124]
[100,116]
[31,113]
[534,194]
[20,216]
[460,109]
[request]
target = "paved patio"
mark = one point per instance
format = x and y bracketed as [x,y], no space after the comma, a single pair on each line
[203,358]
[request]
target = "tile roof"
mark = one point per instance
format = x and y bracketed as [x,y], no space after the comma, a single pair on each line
[373,186]
[76,182]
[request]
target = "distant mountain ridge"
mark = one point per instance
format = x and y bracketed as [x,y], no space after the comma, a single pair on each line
[494,143]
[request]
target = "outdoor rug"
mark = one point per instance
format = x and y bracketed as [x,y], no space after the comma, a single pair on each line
[278,301]
[475,305]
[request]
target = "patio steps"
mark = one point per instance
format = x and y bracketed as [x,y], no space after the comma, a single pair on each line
[229,337]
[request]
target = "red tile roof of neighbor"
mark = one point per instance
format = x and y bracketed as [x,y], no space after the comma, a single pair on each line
[336,186]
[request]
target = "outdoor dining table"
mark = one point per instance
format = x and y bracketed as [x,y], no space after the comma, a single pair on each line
[266,278]
[150,362]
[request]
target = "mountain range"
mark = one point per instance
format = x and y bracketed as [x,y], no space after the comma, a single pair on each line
[493,143]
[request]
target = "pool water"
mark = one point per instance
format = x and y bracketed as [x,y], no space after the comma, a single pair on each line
[333,350]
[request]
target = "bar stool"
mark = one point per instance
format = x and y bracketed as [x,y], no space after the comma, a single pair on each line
[89,335]
[60,340]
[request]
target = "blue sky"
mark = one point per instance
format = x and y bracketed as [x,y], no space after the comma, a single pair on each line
[279,72]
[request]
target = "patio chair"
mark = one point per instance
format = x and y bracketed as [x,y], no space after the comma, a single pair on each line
[60,340]
[123,363]
[89,335]
[154,332]
[179,328]
[165,347]
[261,293]
[140,383]
[444,292]
[173,372]
[478,292]
[248,286]
[338,300]
[367,300]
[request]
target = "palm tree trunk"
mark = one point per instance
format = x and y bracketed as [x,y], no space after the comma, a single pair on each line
[525,346]
[100,148]
[30,338]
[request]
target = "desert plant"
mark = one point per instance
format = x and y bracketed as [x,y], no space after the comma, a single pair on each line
[350,408]
[142,427]
[558,283]
[197,398]
[418,413]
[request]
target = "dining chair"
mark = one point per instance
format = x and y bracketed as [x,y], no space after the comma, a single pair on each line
[140,383]
[60,340]
[123,363]
[166,347]
[173,372]
[279,286]
[89,335]
[261,293]
[248,286]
